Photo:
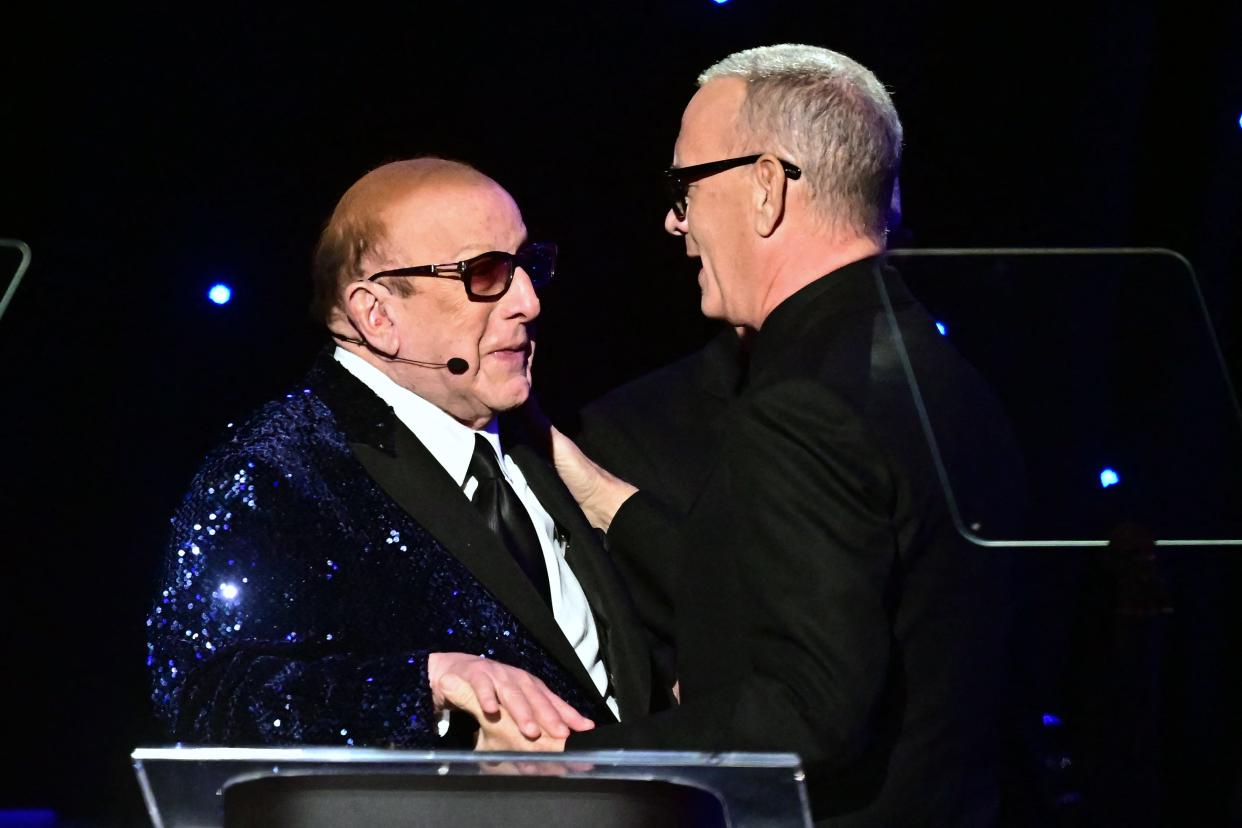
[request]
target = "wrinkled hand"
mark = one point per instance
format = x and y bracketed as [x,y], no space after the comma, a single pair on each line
[507,698]
[499,731]
[599,492]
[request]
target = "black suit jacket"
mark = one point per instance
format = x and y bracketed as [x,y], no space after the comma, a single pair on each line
[661,431]
[819,595]
[322,553]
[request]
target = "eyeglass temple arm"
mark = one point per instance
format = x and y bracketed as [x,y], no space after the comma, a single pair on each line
[452,270]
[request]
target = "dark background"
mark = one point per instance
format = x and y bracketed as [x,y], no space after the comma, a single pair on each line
[147,155]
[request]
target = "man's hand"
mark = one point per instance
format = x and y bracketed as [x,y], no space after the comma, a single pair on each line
[503,696]
[498,731]
[599,492]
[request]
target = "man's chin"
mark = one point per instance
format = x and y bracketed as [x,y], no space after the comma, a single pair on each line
[710,307]
[509,397]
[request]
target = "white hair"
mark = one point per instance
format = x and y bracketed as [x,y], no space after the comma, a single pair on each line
[832,117]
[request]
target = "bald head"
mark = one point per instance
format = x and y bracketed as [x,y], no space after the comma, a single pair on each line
[411,214]
[357,230]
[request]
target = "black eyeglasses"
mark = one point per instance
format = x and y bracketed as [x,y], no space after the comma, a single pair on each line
[679,179]
[487,276]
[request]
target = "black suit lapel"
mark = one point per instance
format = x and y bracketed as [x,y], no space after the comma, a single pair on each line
[415,480]
[621,639]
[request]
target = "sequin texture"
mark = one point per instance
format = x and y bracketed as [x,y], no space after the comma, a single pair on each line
[299,602]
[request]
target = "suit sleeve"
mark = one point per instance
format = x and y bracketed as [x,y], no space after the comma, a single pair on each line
[647,545]
[238,649]
[801,510]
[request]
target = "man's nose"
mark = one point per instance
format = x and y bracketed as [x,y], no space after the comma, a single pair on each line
[521,299]
[673,225]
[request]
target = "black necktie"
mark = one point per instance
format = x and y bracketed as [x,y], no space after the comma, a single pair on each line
[506,516]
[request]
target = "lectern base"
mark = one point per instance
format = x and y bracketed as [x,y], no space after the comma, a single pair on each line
[403,801]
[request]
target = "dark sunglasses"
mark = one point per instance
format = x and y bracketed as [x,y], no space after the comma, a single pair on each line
[487,276]
[679,179]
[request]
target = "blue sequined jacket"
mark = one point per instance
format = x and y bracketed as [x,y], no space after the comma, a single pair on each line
[322,553]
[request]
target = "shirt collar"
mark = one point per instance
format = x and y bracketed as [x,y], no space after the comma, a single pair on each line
[450,442]
[840,291]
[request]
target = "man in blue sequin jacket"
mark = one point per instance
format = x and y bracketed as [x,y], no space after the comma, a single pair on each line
[334,575]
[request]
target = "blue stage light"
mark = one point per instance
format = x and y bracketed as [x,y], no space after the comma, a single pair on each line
[220,294]
[28,818]
[943,328]
[720,2]
[1108,477]
[1052,720]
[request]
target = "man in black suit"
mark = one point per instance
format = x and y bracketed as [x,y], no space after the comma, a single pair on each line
[819,595]
[370,546]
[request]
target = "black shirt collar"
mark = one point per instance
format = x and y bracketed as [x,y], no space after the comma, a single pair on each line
[843,288]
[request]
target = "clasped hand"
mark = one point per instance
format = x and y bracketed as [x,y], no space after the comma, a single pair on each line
[515,710]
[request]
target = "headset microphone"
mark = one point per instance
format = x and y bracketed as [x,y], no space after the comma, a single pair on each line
[455,365]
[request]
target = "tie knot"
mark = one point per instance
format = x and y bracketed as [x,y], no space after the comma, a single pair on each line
[483,463]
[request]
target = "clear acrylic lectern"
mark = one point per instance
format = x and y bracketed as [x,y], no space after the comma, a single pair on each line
[1109,372]
[305,787]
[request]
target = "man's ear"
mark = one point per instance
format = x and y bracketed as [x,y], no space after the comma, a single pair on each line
[769,192]
[367,306]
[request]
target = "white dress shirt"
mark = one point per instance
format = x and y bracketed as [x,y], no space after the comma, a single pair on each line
[452,444]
